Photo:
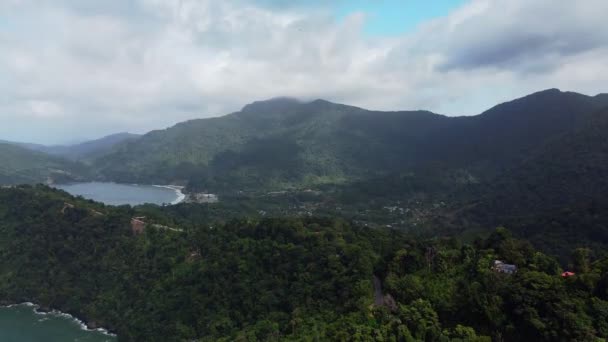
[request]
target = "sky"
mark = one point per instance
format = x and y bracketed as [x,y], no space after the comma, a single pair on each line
[72,70]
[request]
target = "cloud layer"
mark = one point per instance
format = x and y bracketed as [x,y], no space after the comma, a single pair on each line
[74,70]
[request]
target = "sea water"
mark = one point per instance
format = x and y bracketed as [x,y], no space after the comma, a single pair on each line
[119,194]
[21,323]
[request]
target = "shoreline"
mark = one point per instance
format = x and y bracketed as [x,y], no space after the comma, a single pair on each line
[83,326]
[178,191]
[181,196]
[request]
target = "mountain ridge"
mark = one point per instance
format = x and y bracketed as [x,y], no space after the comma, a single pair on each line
[283,142]
[81,151]
[21,165]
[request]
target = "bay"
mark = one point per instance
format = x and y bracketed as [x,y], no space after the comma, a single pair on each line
[119,194]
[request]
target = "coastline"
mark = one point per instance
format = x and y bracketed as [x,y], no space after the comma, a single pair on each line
[178,191]
[36,309]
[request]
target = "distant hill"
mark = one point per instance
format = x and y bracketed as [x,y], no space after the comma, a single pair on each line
[20,165]
[284,143]
[85,151]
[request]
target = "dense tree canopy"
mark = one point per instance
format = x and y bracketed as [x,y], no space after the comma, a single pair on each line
[285,279]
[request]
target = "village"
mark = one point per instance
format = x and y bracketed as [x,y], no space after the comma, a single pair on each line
[201,197]
[409,213]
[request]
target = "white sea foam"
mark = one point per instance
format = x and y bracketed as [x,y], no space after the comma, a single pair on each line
[30,304]
[178,191]
[58,313]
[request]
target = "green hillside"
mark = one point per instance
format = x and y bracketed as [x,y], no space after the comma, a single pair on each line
[271,144]
[569,168]
[555,196]
[285,279]
[528,164]
[20,165]
[84,151]
[283,143]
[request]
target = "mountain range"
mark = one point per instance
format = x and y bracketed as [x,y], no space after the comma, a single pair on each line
[534,148]
[284,143]
[537,165]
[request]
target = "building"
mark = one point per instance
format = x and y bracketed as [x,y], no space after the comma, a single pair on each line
[567,274]
[501,267]
[202,198]
[138,225]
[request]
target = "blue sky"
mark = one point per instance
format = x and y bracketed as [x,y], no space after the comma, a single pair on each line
[395,17]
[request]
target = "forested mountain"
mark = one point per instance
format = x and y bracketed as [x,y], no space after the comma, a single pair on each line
[20,165]
[284,143]
[570,168]
[556,196]
[285,279]
[269,144]
[84,151]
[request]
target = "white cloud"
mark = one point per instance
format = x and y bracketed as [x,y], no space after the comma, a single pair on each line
[44,109]
[101,67]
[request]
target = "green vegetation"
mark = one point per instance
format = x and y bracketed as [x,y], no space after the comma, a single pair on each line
[284,144]
[285,279]
[20,165]
[524,164]
[301,245]
[556,197]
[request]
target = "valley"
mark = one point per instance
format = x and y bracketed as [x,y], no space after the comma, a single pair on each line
[416,171]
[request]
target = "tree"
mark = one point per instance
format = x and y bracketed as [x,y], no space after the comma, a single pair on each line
[581,260]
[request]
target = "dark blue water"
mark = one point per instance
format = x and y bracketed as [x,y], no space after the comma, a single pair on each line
[119,194]
[20,323]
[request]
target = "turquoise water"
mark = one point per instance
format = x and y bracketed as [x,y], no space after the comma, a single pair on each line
[118,194]
[19,323]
